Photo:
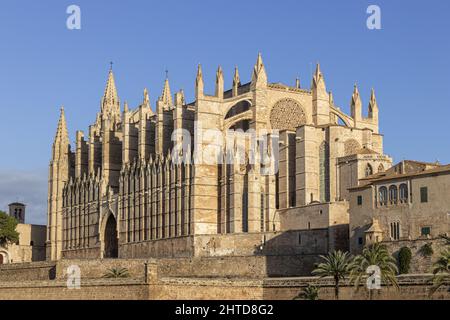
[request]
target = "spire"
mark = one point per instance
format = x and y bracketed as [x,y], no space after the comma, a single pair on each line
[61,132]
[146,101]
[110,101]
[356,104]
[219,83]
[321,99]
[110,96]
[61,143]
[236,81]
[125,107]
[373,106]
[331,98]
[318,79]
[236,78]
[199,85]
[179,98]
[259,63]
[199,78]
[259,75]
[355,96]
[166,96]
[297,83]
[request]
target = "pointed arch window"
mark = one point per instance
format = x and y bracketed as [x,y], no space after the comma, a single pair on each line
[380,168]
[369,170]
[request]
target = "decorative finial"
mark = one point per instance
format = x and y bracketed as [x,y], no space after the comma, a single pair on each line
[167,74]
[111,65]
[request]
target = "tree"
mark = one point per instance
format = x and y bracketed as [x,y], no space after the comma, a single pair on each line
[375,255]
[404,260]
[308,293]
[116,273]
[446,238]
[8,233]
[336,265]
[441,271]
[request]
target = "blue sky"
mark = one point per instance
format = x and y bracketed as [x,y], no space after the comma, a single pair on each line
[44,65]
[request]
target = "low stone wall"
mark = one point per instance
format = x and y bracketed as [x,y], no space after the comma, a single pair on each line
[107,289]
[411,288]
[149,280]
[28,271]
[94,269]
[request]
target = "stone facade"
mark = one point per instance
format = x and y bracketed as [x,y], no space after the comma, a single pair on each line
[32,238]
[407,203]
[143,183]
[31,246]
[164,279]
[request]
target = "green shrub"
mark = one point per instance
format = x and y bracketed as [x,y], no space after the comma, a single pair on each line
[116,273]
[427,250]
[308,293]
[404,260]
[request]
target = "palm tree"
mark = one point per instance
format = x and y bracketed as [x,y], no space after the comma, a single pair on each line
[308,293]
[335,265]
[375,255]
[441,271]
[116,273]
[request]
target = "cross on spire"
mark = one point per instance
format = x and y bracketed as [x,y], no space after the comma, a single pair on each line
[111,65]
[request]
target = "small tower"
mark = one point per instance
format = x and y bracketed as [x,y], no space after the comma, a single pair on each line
[17,210]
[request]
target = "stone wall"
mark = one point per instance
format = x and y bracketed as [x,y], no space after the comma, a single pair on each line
[94,269]
[110,289]
[160,281]
[27,271]
[420,263]
[172,247]
[411,288]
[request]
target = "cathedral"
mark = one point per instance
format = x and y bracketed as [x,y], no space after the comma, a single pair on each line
[260,168]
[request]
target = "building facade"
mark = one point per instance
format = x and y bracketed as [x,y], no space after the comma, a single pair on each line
[408,202]
[32,239]
[259,168]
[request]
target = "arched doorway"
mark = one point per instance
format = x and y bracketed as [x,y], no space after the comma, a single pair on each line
[4,258]
[111,243]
